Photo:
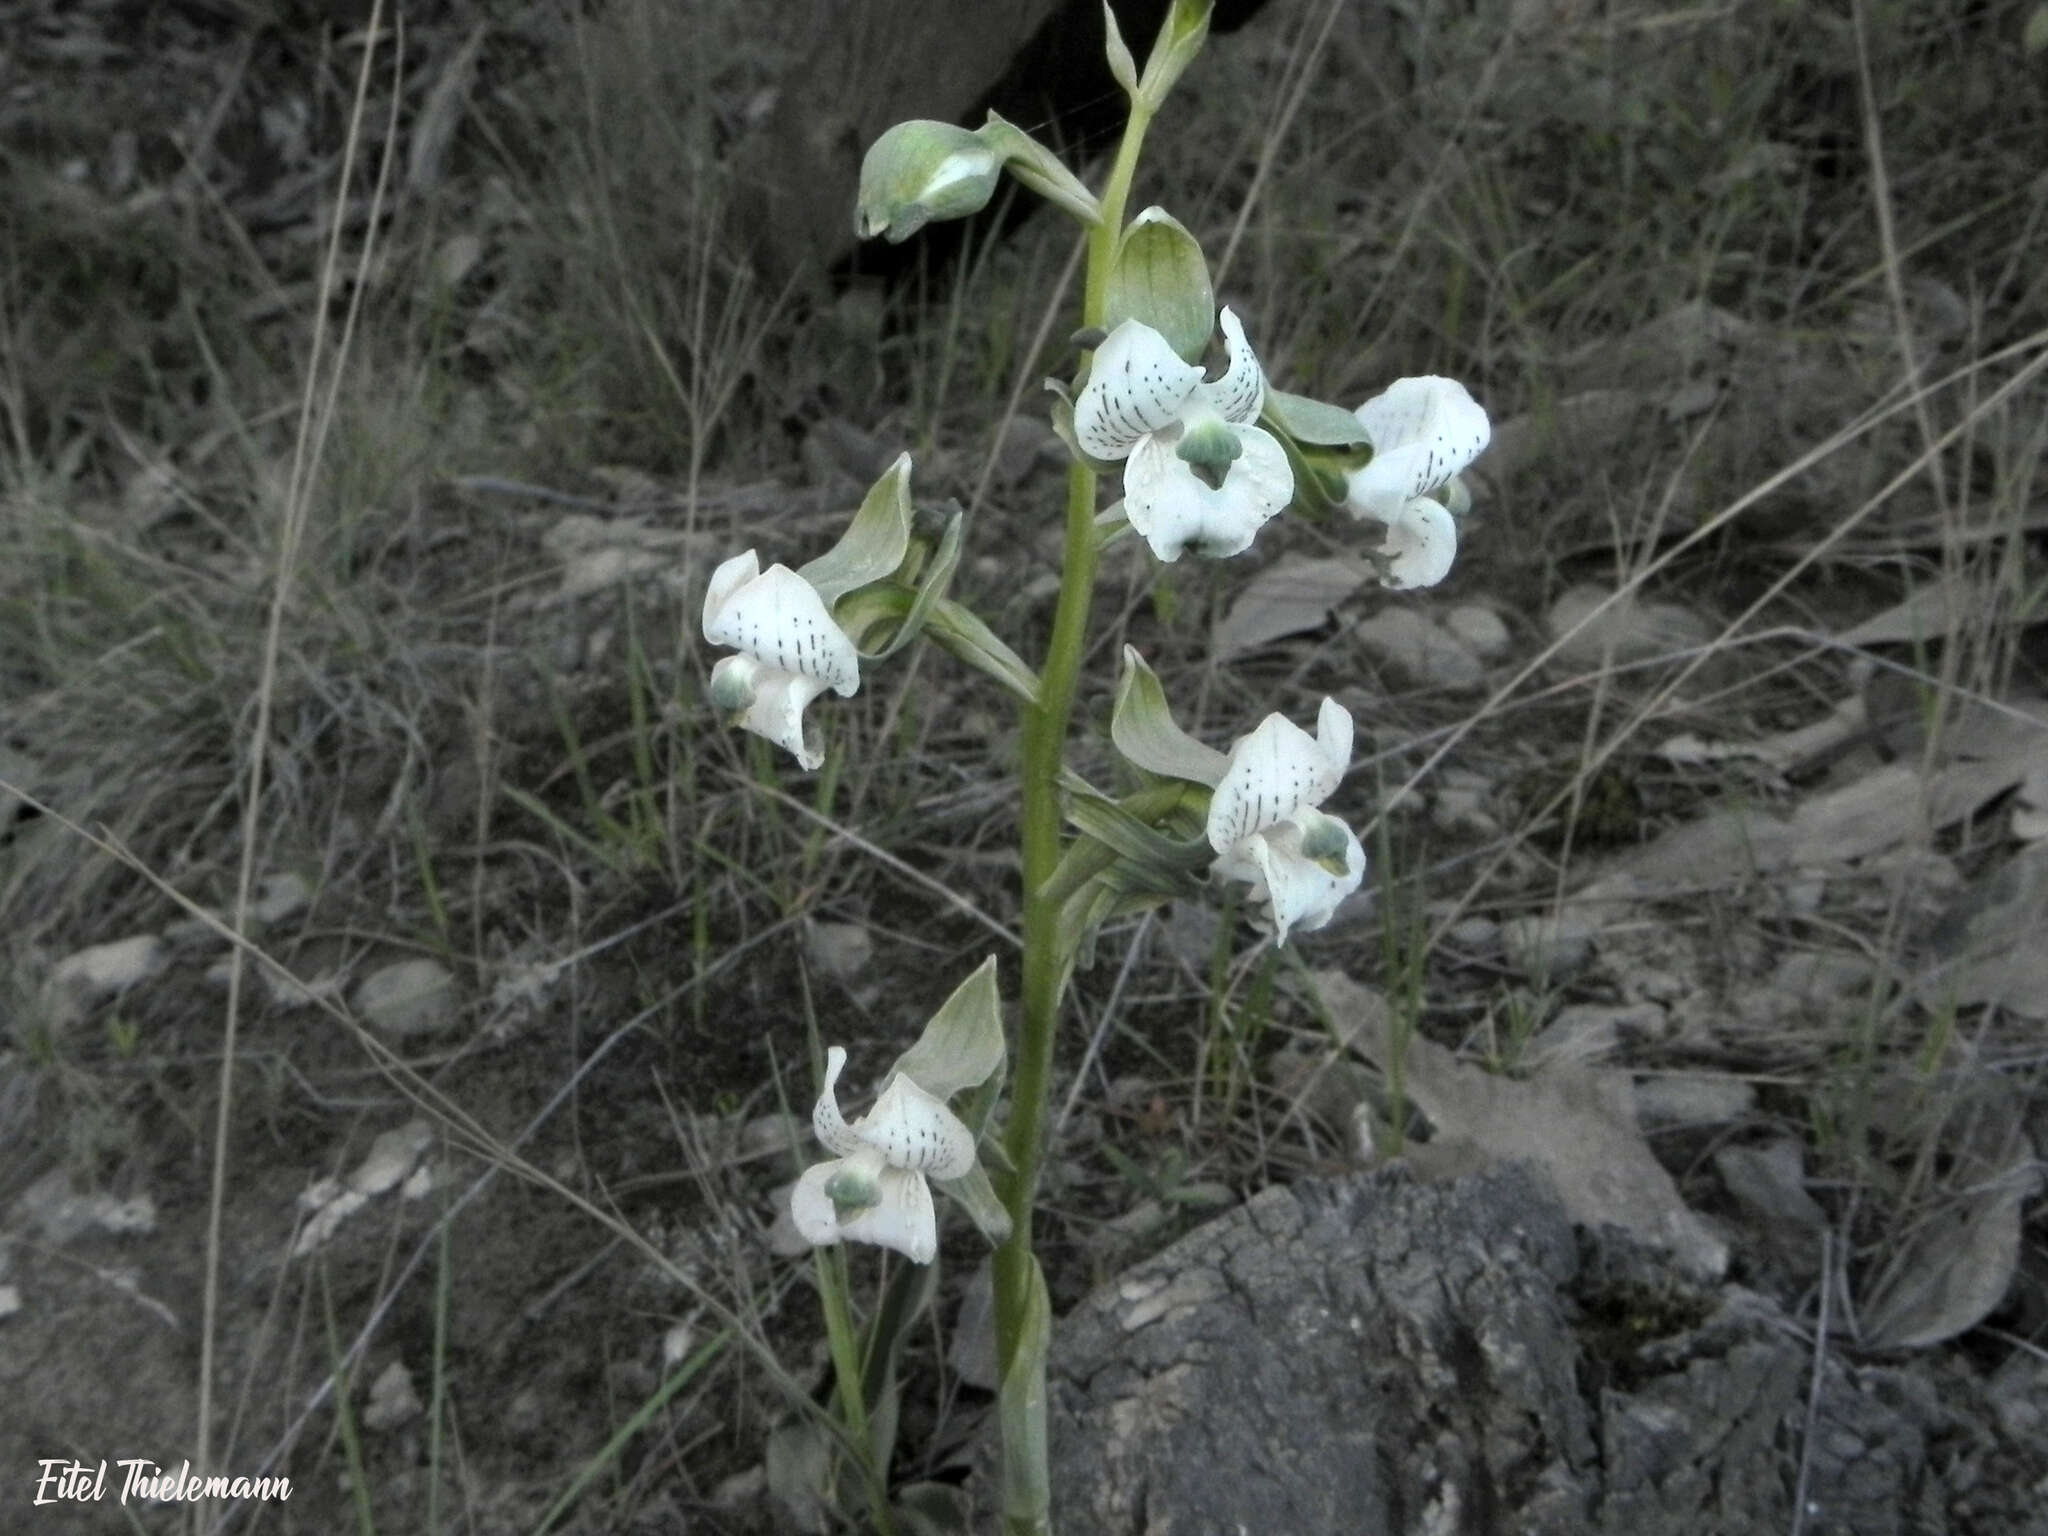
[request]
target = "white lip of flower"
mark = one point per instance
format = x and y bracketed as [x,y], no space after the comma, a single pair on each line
[790,650]
[1264,826]
[875,1189]
[1199,475]
[1423,431]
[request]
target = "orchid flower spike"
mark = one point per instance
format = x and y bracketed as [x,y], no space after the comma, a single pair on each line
[1199,475]
[1265,828]
[875,1189]
[790,651]
[1423,431]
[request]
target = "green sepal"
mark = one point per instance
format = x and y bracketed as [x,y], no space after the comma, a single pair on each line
[1311,421]
[895,610]
[1159,278]
[1142,727]
[1085,858]
[880,609]
[962,1044]
[874,543]
[1319,487]
[1039,169]
[1146,859]
[922,172]
[1180,38]
[961,632]
[1020,1408]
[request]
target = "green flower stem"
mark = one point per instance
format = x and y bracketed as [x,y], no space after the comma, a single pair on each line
[846,1367]
[1045,740]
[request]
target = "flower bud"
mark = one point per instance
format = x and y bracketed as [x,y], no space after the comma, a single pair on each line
[921,172]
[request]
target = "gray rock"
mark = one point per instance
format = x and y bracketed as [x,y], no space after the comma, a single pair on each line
[1381,1355]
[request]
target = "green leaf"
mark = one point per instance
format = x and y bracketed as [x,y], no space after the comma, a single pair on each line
[1158,277]
[910,1293]
[1311,421]
[963,1042]
[2035,39]
[1039,168]
[1143,729]
[1020,1409]
[875,541]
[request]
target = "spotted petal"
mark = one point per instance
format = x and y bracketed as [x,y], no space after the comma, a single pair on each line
[901,1218]
[1423,431]
[1421,544]
[1239,394]
[778,618]
[914,1130]
[1276,771]
[1137,385]
[1174,510]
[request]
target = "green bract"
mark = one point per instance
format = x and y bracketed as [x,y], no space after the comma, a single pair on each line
[921,172]
[963,1042]
[874,543]
[1159,278]
[1143,729]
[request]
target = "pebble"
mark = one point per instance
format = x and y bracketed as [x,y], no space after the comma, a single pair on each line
[1547,946]
[409,997]
[1632,629]
[1408,641]
[1692,1098]
[1484,632]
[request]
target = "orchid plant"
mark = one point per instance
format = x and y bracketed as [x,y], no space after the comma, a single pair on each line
[1171,397]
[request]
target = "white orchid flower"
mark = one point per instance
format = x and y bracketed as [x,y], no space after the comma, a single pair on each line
[1423,432]
[1265,828]
[1199,476]
[875,1189]
[790,650]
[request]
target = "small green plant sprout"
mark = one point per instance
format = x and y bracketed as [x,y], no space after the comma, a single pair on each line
[1423,433]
